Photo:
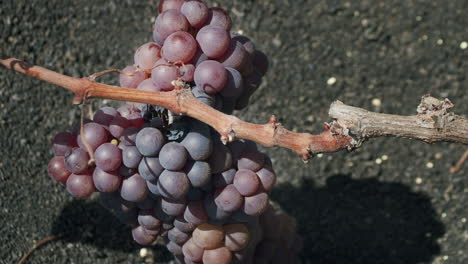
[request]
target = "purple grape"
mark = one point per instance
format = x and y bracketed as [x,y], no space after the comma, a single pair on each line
[184,226]
[179,47]
[134,188]
[94,134]
[147,55]
[248,44]
[148,85]
[57,170]
[219,17]
[198,172]
[187,72]
[80,186]
[246,182]
[76,160]
[173,208]
[148,220]
[108,157]
[198,142]
[126,172]
[173,156]
[163,75]
[235,56]
[256,204]
[63,142]
[211,76]
[142,237]
[199,58]
[196,13]
[105,115]
[192,252]
[150,168]
[131,157]
[203,97]
[161,215]
[228,198]
[234,84]
[174,248]
[213,41]
[153,188]
[106,181]
[260,61]
[267,178]
[173,184]
[251,161]
[165,5]
[129,135]
[195,213]
[220,159]
[224,178]
[177,236]
[149,141]
[168,22]
[214,212]
[238,147]
[118,125]
[134,78]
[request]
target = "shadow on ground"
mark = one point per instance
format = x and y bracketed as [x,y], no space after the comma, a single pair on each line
[362,221]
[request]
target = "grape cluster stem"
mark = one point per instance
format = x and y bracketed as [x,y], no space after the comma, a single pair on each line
[351,127]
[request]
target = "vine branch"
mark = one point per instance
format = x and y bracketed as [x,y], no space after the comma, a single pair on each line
[352,126]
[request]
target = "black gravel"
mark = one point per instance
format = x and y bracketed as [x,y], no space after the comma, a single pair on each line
[384,203]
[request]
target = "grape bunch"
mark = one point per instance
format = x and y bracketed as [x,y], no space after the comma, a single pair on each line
[170,177]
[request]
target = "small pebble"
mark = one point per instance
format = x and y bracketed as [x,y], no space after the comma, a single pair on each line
[384,157]
[418,180]
[143,252]
[430,165]
[376,102]
[463,45]
[378,161]
[331,81]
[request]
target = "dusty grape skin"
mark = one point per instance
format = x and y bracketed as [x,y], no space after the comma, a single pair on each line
[131,81]
[267,177]
[211,76]
[220,255]
[108,157]
[147,55]
[198,142]
[63,142]
[256,204]
[76,160]
[150,168]
[237,237]
[118,125]
[203,97]
[253,161]
[173,156]
[57,170]
[80,186]
[168,22]
[134,188]
[183,225]
[195,213]
[198,172]
[163,76]
[165,5]
[196,13]
[187,72]
[148,220]
[234,84]
[174,248]
[220,159]
[94,134]
[141,237]
[248,44]
[208,236]
[228,198]
[173,185]
[106,181]
[219,17]
[224,178]
[192,251]
[128,137]
[179,47]
[177,236]
[215,213]
[235,56]
[246,182]
[213,41]
[149,141]
[148,85]
[173,208]
[131,157]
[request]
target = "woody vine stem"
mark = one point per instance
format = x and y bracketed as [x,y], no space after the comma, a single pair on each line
[350,128]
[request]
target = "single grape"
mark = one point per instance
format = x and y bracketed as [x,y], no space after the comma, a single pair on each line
[196,13]
[173,184]
[220,255]
[173,156]
[214,41]
[251,161]
[165,5]
[134,188]
[104,115]
[165,218]
[184,226]
[76,160]
[267,178]
[148,85]
[248,44]
[63,142]
[150,168]
[224,178]
[149,141]
[256,204]
[108,157]
[198,172]
[195,213]
[235,56]
[203,97]
[187,72]
[208,236]
[80,186]
[234,84]
[168,22]
[106,181]
[220,159]
[246,182]
[147,55]
[131,157]
[131,77]
[198,141]
[179,47]
[57,170]
[228,199]
[94,134]
[129,135]
[118,125]
[142,237]
[153,188]
[177,236]
[219,17]
[163,75]
[174,248]
[192,251]
[211,76]
[173,208]
[237,237]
